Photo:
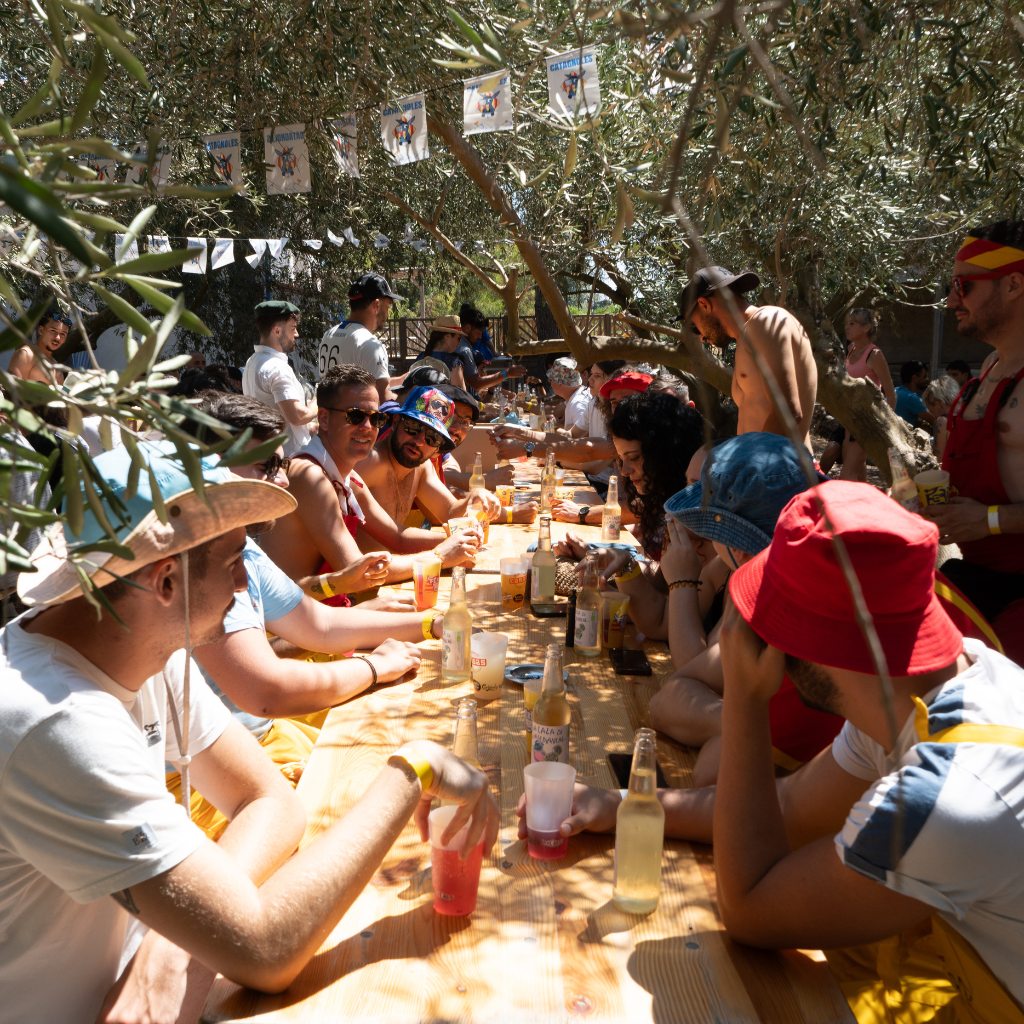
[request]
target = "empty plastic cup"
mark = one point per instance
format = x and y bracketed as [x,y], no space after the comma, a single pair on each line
[488,651]
[455,881]
[549,787]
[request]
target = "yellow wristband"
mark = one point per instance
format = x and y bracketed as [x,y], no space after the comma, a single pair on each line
[508,515]
[428,624]
[993,519]
[418,763]
[631,575]
[325,586]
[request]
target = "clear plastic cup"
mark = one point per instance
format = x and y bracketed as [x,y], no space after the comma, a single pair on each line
[505,493]
[513,583]
[426,577]
[455,881]
[549,786]
[488,651]
[460,523]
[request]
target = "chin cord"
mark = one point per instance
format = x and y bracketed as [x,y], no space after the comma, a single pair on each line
[181,728]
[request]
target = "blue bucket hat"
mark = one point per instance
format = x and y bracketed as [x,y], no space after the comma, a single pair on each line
[744,486]
[432,408]
[231,502]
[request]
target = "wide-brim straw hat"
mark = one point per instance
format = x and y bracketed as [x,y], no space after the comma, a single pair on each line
[231,501]
[448,325]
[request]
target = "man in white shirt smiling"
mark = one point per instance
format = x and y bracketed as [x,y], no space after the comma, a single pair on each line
[269,378]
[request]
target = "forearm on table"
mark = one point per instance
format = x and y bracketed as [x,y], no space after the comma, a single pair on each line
[686,636]
[364,629]
[288,687]
[577,452]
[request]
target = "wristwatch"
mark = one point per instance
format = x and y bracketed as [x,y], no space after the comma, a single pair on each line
[529,446]
[584,510]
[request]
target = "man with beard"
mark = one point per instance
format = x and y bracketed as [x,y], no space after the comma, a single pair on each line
[897,849]
[984,455]
[770,331]
[339,540]
[398,470]
[269,378]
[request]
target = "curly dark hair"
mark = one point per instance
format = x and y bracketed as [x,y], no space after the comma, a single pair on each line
[669,432]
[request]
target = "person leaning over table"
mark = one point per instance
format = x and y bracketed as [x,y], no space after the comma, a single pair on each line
[898,855]
[91,842]
[655,436]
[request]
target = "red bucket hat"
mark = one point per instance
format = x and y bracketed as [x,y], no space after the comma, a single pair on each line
[630,379]
[795,597]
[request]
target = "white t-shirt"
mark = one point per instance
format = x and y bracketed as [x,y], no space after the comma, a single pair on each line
[268,377]
[357,345]
[577,408]
[962,830]
[597,427]
[84,812]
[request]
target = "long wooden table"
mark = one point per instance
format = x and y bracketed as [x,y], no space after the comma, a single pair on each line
[545,944]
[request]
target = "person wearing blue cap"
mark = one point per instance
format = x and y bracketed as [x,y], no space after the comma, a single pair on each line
[745,484]
[35,362]
[95,700]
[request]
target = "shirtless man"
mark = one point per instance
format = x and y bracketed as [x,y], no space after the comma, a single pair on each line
[984,455]
[776,335]
[398,468]
[31,362]
[338,523]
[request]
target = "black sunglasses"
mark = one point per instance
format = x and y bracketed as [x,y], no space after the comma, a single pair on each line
[356,416]
[431,437]
[273,464]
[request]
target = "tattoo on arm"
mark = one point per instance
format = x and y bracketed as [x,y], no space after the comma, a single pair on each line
[317,589]
[124,897]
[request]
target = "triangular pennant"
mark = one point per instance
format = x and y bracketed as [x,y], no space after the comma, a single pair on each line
[351,237]
[336,239]
[196,265]
[409,229]
[313,243]
[276,246]
[260,245]
[223,253]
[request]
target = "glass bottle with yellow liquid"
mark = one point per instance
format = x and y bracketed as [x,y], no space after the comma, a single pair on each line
[456,659]
[464,740]
[548,483]
[542,588]
[639,833]
[588,612]
[611,514]
[476,478]
[551,715]
[476,510]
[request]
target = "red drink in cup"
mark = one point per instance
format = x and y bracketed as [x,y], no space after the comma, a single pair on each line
[546,845]
[549,789]
[455,881]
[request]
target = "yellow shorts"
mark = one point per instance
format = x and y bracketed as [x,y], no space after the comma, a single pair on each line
[288,743]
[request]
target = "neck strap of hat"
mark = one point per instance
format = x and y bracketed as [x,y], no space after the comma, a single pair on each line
[181,726]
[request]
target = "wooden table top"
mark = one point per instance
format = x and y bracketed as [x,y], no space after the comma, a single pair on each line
[545,944]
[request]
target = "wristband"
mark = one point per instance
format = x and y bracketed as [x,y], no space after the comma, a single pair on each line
[508,515]
[504,375]
[629,574]
[993,519]
[418,763]
[428,624]
[325,586]
[373,668]
[685,583]
[623,793]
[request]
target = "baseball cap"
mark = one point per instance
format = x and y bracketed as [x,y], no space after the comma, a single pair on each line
[433,408]
[795,597]
[371,286]
[463,397]
[711,279]
[231,501]
[628,380]
[744,485]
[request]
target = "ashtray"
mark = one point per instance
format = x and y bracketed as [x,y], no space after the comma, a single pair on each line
[533,670]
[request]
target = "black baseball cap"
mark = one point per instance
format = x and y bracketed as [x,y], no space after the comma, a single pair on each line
[463,397]
[711,279]
[371,286]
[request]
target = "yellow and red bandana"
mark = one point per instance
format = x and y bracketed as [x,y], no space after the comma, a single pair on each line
[996,257]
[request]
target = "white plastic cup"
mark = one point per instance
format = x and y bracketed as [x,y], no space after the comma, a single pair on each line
[513,583]
[488,650]
[549,788]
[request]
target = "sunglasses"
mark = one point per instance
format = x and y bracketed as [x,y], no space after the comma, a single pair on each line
[357,416]
[962,285]
[273,464]
[431,437]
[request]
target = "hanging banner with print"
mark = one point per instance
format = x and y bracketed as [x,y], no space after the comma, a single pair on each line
[403,127]
[122,253]
[138,172]
[225,151]
[260,245]
[570,84]
[223,253]
[487,103]
[196,265]
[287,158]
[158,243]
[102,165]
[343,144]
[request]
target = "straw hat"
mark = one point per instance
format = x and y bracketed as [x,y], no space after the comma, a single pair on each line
[233,502]
[448,325]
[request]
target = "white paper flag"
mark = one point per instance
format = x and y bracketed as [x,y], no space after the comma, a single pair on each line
[420,244]
[487,103]
[351,237]
[381,241]
[343,144]
[138,171]
[225,151]
[223,253]
[260,245]
[121,254]
[158,243]
[287,159]
[568,84]
[276,246]
[196,265]
[336,239]
[313,243]
[409,230]
[403,127]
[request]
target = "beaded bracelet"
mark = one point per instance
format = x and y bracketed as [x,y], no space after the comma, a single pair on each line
[685,583]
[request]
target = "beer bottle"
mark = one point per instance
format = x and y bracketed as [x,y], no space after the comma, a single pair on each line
[611,514]
[548,483]
[456,659]
[476,479]
[588,611]
[464,740]
[476,510]
[551,713]
[542,590]
[639,833]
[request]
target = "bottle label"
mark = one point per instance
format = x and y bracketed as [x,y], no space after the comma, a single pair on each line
[529,720]
[551,743]
[453,649]
[611,527]
[534,585]
[586,627]
[547,495]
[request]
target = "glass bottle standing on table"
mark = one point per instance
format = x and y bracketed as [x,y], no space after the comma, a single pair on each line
[456,659]
[551,713]
[611,514]
[476,478]
[464,740]
[548,483]
[531,694]
[477,510]
[542,590]
[588,611]
[639,833]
